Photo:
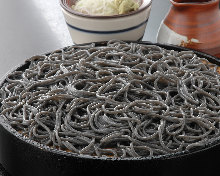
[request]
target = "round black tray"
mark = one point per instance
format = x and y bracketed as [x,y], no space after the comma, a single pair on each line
[3,172]
[23,157]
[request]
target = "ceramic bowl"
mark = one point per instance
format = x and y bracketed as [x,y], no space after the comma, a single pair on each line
[192,24]
[86,28]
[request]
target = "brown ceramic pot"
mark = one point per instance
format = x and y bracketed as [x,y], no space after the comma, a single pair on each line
[193,24]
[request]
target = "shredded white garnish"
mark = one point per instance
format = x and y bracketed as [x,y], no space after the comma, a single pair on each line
[105,7]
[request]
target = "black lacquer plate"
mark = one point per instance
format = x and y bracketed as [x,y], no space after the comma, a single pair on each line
[23,157]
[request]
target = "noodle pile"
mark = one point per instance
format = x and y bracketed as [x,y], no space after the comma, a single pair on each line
[120,100]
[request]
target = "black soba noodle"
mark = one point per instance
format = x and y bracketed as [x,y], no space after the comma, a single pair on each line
[120,100]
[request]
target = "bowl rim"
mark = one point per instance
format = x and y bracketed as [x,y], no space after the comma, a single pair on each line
[211,144]
[71,11]
[210,2]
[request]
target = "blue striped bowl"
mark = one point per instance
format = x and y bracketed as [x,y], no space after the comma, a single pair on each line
[85,28]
